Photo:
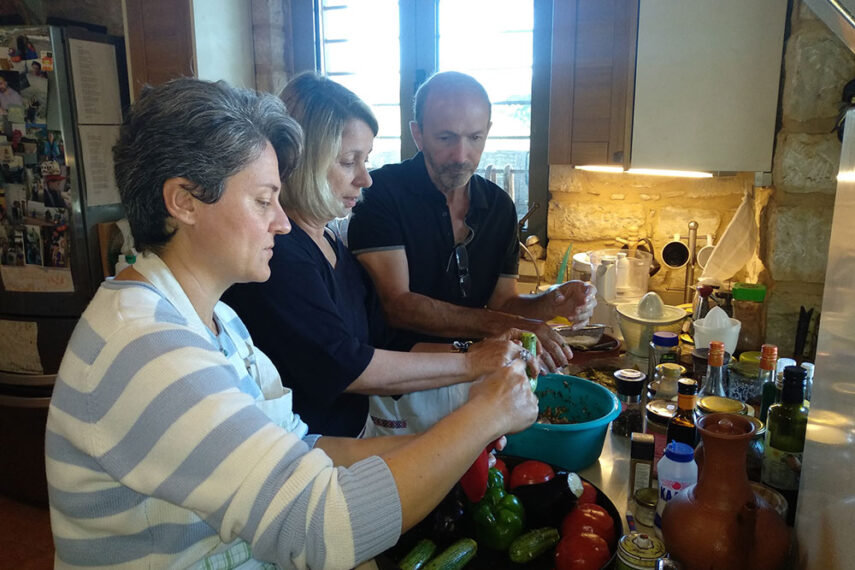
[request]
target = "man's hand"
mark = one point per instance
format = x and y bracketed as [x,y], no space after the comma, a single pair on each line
[553,352]
[573,300]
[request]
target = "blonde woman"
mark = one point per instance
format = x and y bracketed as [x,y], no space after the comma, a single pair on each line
[318,316]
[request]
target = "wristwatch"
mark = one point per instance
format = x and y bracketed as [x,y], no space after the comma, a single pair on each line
[461,346]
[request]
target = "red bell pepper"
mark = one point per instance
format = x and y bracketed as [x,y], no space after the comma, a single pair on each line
[474,481]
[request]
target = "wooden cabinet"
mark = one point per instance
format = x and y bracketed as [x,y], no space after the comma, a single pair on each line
[593,59]
[673,84]
[210,39]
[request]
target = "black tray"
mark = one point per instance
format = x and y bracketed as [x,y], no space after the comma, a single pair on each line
[486,558]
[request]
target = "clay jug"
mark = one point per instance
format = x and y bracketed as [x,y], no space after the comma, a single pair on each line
[720,523]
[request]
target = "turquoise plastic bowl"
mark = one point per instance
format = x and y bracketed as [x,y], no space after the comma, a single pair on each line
[572,446]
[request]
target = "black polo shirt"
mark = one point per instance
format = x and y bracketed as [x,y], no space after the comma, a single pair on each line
[403,209]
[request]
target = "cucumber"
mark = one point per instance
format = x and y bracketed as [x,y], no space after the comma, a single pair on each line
[455,556]
[532,544]
[418,556]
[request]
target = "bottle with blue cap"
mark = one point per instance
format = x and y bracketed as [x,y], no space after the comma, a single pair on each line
[677,471]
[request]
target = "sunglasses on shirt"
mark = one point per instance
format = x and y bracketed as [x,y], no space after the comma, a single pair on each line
[461,258]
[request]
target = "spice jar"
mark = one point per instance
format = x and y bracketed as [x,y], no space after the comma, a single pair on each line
[748,309]
[629,383]
[664,347]
[664,384]
[641,450]
[644,508]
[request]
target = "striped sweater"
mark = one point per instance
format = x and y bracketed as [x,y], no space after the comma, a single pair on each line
[167,444]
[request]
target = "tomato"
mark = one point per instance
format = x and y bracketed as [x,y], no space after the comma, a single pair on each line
[530,473]
[592,518]
[582,551]
[503,469]
[589,493]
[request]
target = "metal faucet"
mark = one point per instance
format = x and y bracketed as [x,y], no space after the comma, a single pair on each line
[531,240]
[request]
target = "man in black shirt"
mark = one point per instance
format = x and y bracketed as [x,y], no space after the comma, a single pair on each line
[441,242]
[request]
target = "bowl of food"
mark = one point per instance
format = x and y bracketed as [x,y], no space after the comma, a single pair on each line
[583,337]
[571,427]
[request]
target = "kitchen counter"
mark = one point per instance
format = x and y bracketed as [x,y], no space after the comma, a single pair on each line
[610,473]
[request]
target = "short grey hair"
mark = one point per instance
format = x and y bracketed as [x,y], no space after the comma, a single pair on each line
[199,130]
[445,82]
[323,108]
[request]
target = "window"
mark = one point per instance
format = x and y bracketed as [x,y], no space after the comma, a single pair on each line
[382,50]
[360,49]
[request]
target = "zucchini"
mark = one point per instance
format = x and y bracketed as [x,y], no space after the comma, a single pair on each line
[532,544]
[455,556]
[418,556]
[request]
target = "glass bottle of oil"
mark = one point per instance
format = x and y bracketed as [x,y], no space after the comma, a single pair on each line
[786,427]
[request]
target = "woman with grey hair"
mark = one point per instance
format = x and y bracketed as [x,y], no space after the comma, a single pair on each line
[318,316]
[171,442]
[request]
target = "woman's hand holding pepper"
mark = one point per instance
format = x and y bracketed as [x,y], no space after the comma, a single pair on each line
[495,352]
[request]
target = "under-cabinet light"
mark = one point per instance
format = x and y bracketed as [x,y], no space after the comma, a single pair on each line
[647,171]
[595,168]
[677,173]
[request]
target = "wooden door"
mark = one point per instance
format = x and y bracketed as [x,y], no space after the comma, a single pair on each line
[160,41]
[593,64]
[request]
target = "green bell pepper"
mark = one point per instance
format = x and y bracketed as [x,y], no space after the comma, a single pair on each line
[499,517]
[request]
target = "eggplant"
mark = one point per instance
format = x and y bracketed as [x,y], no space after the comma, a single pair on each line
[546,503]
[445,522]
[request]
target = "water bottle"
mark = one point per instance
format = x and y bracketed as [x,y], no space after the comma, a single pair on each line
[677,471]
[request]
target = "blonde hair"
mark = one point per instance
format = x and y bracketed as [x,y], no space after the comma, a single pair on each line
[322,107]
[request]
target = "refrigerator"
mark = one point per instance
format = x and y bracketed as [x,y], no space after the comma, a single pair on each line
[825,520]
[61,104]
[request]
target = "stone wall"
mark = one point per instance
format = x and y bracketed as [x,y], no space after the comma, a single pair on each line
[796,230]
[589,210]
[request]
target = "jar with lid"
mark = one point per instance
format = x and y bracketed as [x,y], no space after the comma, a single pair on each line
[658,414]
[638,550]
[664,384]
[644,505]
[748,306]
[742,377]
[629,383]
[719,405]
[664,347]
